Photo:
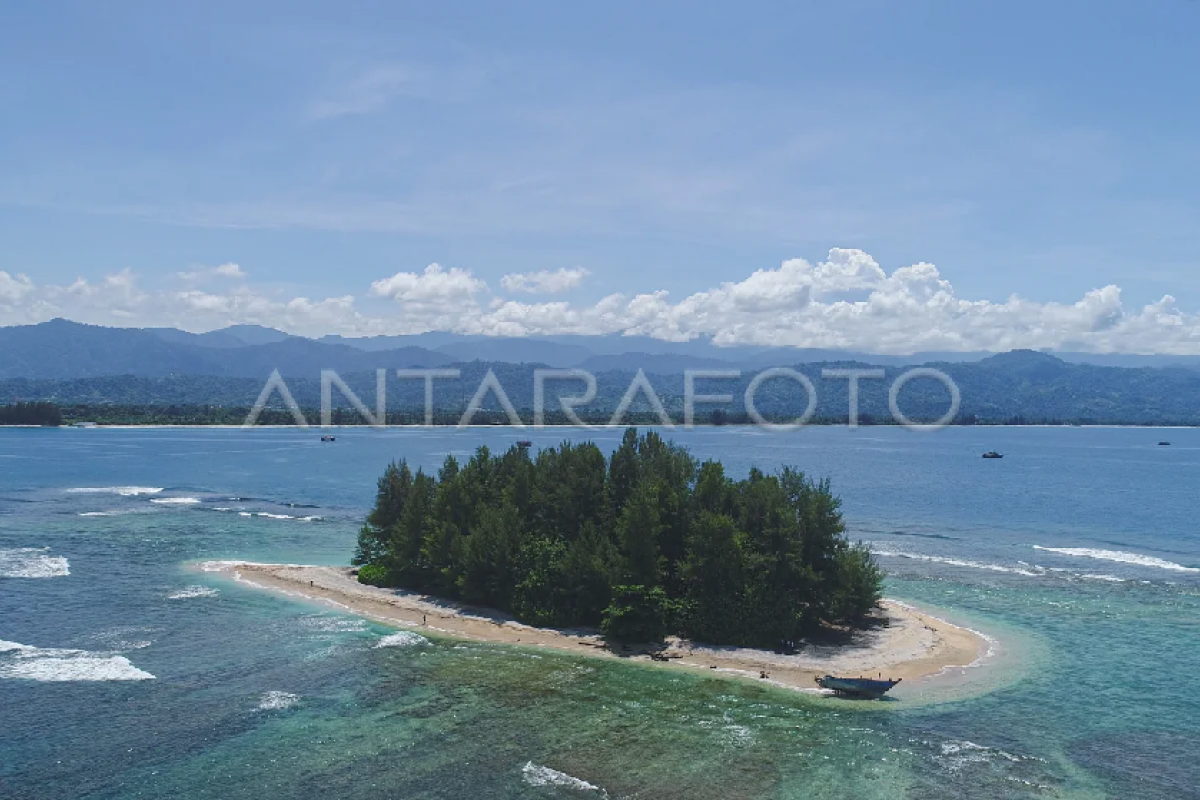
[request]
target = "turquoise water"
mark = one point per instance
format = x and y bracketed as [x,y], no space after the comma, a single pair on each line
[125,672]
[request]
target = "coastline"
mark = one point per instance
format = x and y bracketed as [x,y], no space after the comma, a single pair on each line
[913,645]
[589,426]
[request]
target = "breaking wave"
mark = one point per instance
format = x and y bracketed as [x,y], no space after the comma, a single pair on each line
[176,501]
[47,664]
[537,775]
[330,624]
[1118,556]
[123,491]
[269,515]
[32,562]
[277,701]
[402,639]
[958,562]
[189,592]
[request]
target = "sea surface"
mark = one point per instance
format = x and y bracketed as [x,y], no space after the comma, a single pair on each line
[126,671]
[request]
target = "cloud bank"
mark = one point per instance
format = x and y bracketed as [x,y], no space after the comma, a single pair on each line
[846,301]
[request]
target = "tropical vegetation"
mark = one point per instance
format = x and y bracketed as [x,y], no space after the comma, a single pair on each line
[644,543]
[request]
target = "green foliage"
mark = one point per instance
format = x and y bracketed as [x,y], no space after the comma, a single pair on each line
[637,614]
[643,544]
[859,585]
[31,414]
[373,575]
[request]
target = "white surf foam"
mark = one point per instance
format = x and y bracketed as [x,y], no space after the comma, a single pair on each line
[176,501]
[323,624]
[190,592]
[1118,556]
[277,701]
[958,562]
[32,562]
[269,515]
[124,491]
[53,665]
[228,566]
[402,639]
[537,775]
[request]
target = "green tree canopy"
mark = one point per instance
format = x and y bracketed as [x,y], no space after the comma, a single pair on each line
[645,543]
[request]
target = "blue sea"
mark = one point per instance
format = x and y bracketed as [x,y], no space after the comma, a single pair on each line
[126,671]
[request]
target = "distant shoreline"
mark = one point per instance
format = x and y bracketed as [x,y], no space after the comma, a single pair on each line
[622,426]
[912,645]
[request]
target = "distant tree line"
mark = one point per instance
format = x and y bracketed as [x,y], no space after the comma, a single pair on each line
[194,414]
[35,413]
[645,543]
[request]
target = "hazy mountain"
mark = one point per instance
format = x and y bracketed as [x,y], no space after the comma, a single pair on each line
[654,363]
[63,350]
[1023,385]
[210,339]
[255,334]
[429,341]
[518,351]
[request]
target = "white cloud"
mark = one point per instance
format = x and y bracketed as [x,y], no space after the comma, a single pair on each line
[202,274]
[14,287]
[230,271]
[544,281]
[433,286]
[846,301]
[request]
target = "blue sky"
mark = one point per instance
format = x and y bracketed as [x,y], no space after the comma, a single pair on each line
[1046,150]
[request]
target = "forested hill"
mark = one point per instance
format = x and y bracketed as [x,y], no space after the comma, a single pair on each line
[1017,387]
[647,543]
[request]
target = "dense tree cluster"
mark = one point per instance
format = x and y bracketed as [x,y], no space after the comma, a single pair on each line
[38,413]
[647,542]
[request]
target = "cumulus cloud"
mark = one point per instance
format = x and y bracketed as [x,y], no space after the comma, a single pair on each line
[544,281]
[434,285]
[230,271]
[846,301]
[14,287]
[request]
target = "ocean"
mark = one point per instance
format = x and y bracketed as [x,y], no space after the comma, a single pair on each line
[126,671]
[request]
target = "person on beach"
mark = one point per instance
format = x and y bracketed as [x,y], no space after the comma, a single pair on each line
[423,619]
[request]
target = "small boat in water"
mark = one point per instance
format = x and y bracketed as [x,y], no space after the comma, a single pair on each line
[524,443]
[993,454]
[1164,444]
[862,688]
[328,438]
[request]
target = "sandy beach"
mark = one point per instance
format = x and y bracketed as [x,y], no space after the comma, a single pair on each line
[906,644]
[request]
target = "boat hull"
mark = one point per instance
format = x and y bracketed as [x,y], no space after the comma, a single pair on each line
[865,688]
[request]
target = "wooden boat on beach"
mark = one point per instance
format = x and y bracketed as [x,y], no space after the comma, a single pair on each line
[862,688]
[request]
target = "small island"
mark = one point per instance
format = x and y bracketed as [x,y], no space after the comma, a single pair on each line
[645,544]
[648,555]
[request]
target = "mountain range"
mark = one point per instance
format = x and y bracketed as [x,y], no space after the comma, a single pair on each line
[92,367]
[65,350]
